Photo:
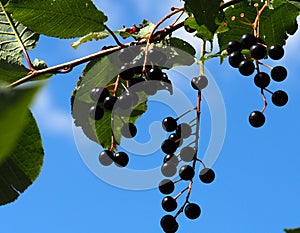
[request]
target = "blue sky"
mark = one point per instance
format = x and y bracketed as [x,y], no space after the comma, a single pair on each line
[257,175]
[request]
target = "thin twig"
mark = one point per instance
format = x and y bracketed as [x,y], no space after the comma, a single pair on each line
[114,36]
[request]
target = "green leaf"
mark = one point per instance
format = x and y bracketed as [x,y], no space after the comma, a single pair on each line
[23,164]
[274,26]
[10,72]
[205,13]
[142,31]
[89,37]
[296,230]
[14,35]
[13,104]
[63,18]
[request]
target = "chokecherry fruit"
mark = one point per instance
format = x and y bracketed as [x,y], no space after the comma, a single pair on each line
[192,211]
[233,46]
[168,169]
[258,51]
[169,224]
[246,67]
[280,98]
[236,58]
[171,158]
[155,74]
[168,146]
[262,79]
[157,57]
[257,119]
[199,83]
[186,172]
[207,175]
[128,130]
[187,154]
[169,204]
[106,157]
[169,124]
[96,113]
[128,100]
[278,73]
[109,102]
[166,186]
[247,40]
[98,94]
[184,130]
[126,55]
[176,139]
[276,52]
[126,72]
[121,159]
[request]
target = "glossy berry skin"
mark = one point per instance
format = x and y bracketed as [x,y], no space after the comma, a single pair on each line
[236,58]
[186,172]
[199,83]
[187,154]
[247,40]
[98,94]
[126,72]
[168,169]
[121,159]
[106,158]
[257,119]
[278,73]
[96,113]
[262,80]
[192,211]
[233,46]
[169,204]
[207,175]
[246,67]
[176,139]
[184,130]
[171,158]
[168,146]
[109,102]
[169,224]
[128,130]
[169,124]
[258,51]
[189,29]
[280,98]
[127,100]
[276,52]
[166,186]
[155,74]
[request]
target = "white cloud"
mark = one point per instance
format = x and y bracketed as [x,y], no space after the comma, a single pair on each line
[49,116]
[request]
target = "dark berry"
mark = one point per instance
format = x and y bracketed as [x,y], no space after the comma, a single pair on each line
[184,130]
[96,113]
[168,146]
[176,139]
[257,119]
[155,74]
[169,224]
[166,186]
[199,83]
[247,40]
[186,172]
[168,169]
[109,102]
[187,154]
[262,79]
[192,211]
[98,94]
[233,46]
[236,58]
[126,55]
[106,158]
[121,159]
[169,204]
[126,72]
[171,158]
[207,175]
[246,67]
[169,124]
[135,81]
[276,52]
[278,73]
[189,29]
[128,100]
[258,51]
[279,98]
[157,57]
[128,130]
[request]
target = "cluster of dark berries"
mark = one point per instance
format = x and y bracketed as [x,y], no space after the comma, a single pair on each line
[107,157]
[258,50]
[186,172]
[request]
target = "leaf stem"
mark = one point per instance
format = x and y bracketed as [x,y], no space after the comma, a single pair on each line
[114,36]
